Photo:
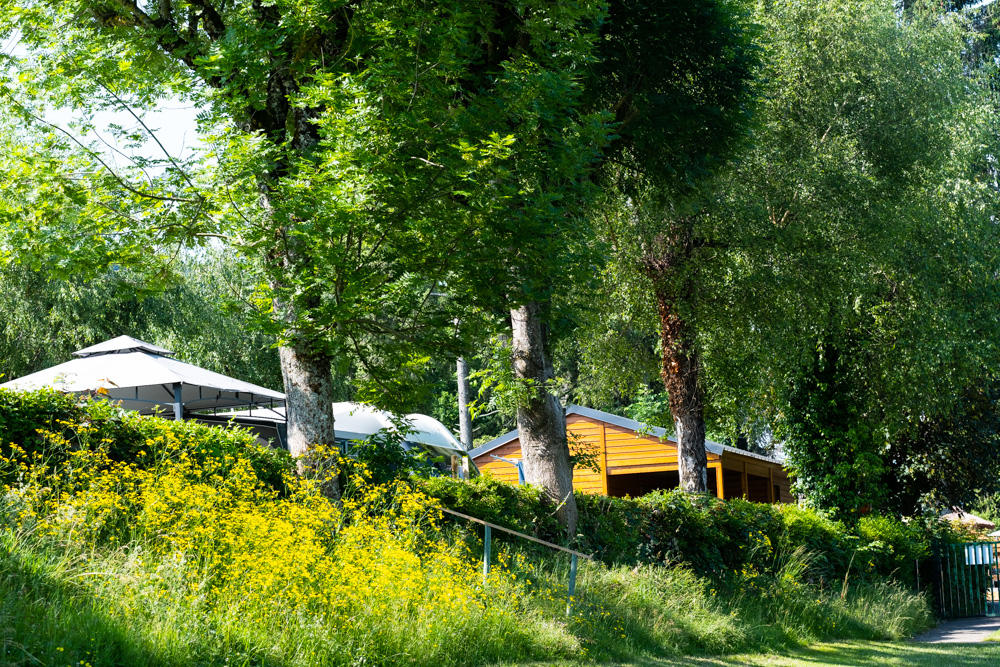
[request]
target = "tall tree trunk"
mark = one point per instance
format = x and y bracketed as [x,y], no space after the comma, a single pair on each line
[309,395]
[308,379]
[681,371]
[464,394]
[307,374]
[541,424]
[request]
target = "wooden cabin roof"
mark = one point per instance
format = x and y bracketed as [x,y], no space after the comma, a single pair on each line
[623,422]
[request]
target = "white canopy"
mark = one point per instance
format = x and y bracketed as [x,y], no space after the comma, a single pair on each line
[357,421]
[145,379]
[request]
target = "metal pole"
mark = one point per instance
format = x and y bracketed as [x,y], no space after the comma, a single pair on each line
[178,403]
[464,398]
[976,576]
[980,586]
[572,585]
[940,573]
[952,581]
[486,554]
[961,560]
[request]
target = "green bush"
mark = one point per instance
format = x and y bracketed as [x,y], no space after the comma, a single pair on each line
[709,536]
[740,575]
[22,414]
[525,509]
[828,540]
[890,548]
[56,424]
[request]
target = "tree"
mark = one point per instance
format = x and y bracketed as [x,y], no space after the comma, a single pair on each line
[651,67]
[356,149]
[860,200]
[679,77]
[897,318]
[202,317]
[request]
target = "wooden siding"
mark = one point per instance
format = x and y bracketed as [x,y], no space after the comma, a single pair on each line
[501,469]
[634,464]
[583,434]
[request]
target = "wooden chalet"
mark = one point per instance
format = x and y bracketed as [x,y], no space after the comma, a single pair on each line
[636,458]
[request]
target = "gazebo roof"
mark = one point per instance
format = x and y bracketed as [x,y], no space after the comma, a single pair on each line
[122,344]
[144,378]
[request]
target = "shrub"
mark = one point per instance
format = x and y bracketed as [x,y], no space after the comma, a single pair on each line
[131,540]
[56,424]
[198,554]
[525,509]
[710,536]
[828,540]
[890,549]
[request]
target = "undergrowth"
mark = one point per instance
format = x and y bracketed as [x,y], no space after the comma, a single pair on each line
[182,553]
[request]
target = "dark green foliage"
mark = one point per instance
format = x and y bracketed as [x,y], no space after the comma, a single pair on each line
[831,446]
[678,76]
[23,413]
[949,460]
[720,539]
[849,457]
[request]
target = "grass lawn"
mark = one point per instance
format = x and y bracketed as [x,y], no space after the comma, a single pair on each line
[845,654]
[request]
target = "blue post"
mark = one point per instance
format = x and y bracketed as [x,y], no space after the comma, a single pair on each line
[486,554]
[178,402]
[572,585]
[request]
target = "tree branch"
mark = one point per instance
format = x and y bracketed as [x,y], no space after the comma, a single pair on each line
[97,157]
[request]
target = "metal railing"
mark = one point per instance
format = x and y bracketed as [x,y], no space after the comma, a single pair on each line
[969,579]
[487,547]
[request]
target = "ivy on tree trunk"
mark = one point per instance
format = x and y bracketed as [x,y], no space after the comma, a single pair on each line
[681,368]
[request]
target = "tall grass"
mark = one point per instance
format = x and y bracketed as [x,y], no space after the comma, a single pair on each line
[181,559]
[624,612]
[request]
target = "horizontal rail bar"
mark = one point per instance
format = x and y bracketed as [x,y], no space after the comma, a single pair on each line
[514,532]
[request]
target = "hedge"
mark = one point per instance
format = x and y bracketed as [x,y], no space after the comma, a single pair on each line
[47,421]
[711,536]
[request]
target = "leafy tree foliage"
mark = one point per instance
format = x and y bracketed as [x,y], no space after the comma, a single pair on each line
[878,213]
[951,459]
[362,153]
[850,460]
[856,218]
[680,79]
[204,317]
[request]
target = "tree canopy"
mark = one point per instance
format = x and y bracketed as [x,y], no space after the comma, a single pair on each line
[783,209]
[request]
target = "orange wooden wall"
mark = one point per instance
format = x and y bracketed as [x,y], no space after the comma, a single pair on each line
[622,451]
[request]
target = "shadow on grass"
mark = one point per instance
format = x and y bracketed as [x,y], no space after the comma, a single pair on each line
[47,618]
[845,654]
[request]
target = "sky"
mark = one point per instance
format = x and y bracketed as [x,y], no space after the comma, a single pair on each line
[174,123]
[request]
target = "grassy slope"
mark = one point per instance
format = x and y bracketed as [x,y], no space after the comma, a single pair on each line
[184,556]
[843,654]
